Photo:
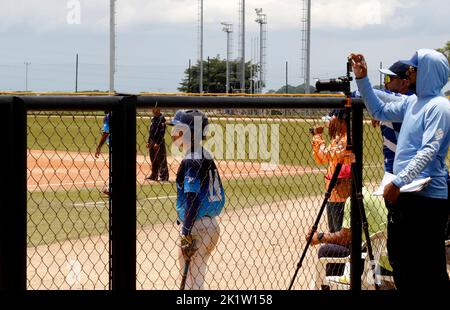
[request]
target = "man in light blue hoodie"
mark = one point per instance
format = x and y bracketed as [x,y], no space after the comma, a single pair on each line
[416,235]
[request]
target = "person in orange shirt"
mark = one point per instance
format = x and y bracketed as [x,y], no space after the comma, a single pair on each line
[332,154]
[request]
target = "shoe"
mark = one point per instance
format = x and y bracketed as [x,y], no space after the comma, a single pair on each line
[151,178]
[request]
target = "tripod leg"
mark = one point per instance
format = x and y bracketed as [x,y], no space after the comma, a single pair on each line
[332,184]
[365,225]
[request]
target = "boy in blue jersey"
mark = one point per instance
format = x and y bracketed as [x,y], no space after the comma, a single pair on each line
[200,195]
[422,147]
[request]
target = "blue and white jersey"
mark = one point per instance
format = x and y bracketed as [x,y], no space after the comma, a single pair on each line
[105,128]
[390,132]
[198,174]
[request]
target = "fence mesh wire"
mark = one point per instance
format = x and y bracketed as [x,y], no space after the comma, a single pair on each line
[273,189]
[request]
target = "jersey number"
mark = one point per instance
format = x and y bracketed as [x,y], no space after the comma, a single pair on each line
[214,186]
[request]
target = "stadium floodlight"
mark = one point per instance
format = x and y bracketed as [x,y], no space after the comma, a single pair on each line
[228,29]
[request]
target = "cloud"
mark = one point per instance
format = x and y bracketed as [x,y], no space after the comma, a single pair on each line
[352,14]
[51,15]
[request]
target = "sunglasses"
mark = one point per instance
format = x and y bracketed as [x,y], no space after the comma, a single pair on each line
[389,78]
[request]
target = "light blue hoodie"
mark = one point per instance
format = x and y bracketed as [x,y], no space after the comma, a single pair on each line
[425,135]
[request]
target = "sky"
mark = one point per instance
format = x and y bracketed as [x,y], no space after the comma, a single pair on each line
[157,38]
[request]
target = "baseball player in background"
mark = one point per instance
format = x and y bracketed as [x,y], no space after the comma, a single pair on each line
[200,196]
[104,138]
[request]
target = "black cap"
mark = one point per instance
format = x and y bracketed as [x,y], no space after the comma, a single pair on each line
[397,69]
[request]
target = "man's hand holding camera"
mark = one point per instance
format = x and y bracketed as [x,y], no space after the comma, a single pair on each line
[359,65]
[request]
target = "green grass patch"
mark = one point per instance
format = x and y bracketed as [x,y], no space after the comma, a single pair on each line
[81,133]
[63,215]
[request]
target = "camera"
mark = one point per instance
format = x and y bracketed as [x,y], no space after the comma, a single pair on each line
[340,84]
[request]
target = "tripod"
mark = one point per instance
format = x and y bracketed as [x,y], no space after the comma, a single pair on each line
[356,192]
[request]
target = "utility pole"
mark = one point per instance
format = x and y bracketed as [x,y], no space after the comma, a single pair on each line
[287,90]
[242,45]
[201,46]
[306,44]
[112,45]
[228,29]
[308,48]
[189,77]
[252,89]
[26,74]
[208,75]
[76,75]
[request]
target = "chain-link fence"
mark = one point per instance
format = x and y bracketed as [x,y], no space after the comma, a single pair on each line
[68,213]
[274,187]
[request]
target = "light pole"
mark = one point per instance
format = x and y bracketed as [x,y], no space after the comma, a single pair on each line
[261,19]
[201,46]
[26,74]
[112,45]
[242,44]
[228,28]
[308,47]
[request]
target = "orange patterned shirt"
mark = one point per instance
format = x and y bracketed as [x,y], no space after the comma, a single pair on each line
[333,154]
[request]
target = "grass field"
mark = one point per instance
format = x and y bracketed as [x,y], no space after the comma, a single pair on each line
[81,134]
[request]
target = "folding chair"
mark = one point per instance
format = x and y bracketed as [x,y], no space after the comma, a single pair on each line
[378,241]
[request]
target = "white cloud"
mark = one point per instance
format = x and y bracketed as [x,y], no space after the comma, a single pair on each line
[353,14]
[49,15]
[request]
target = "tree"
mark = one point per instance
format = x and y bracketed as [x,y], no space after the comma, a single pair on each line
[300,89]
[445,50]
[214,76]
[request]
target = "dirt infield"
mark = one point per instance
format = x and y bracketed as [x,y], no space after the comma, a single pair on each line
[258,249]
[58,170]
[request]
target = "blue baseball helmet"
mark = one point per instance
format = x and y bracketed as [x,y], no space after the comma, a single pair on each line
[188,117]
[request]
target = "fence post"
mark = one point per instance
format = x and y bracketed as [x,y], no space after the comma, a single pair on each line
[123,194]
[357,140]
[13,194]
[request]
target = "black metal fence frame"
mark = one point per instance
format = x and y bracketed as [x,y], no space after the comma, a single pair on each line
[13,182]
